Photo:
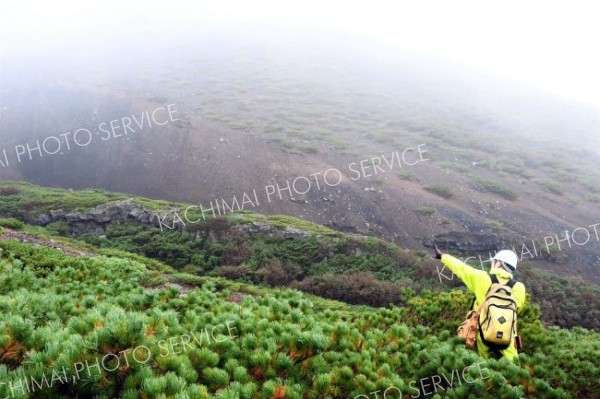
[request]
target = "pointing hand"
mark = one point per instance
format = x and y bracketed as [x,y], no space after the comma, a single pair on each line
[438,253]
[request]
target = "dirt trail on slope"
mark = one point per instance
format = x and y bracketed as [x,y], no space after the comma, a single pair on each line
[31,239]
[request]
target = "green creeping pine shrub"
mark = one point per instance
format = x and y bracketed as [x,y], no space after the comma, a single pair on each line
[277,260]
[577,303]
[57,312]
[515,170]
[59,227]
[491,186]
[552,186]
[440,189]
[357,288]
[454,166]
[12,223]
[303,261]
[496,224]
[174,248]
[426,211]
[9,190]
[34,200]
[404,175]
[372,243]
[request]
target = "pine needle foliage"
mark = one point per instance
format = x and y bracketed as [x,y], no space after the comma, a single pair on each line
[58,313]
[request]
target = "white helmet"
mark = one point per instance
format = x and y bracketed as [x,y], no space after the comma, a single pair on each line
[508,257]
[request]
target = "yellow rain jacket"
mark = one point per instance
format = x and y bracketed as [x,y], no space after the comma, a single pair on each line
[479,282]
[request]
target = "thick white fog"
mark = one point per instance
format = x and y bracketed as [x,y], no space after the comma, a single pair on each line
[545,44]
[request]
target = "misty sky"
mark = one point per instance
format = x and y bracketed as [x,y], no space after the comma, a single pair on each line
[547,44]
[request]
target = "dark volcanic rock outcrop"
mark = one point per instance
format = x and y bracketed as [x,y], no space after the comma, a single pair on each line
[98,218]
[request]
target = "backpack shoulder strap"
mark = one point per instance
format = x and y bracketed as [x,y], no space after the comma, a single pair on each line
[510,283]
[494,281]
[494,278]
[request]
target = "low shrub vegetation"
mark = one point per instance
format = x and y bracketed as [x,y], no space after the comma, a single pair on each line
[494,187]
[440,189]
[551,186]
[426,211]
[496,224]
[12,223]
[59,312]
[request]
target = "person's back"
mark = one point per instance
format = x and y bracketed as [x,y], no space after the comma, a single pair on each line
[479,282]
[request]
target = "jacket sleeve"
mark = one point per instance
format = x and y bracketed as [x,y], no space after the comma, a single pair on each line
[473,278]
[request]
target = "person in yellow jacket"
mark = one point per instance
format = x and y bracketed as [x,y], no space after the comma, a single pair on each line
[504,263]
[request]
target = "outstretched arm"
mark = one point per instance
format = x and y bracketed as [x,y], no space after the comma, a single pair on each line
[471,276]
